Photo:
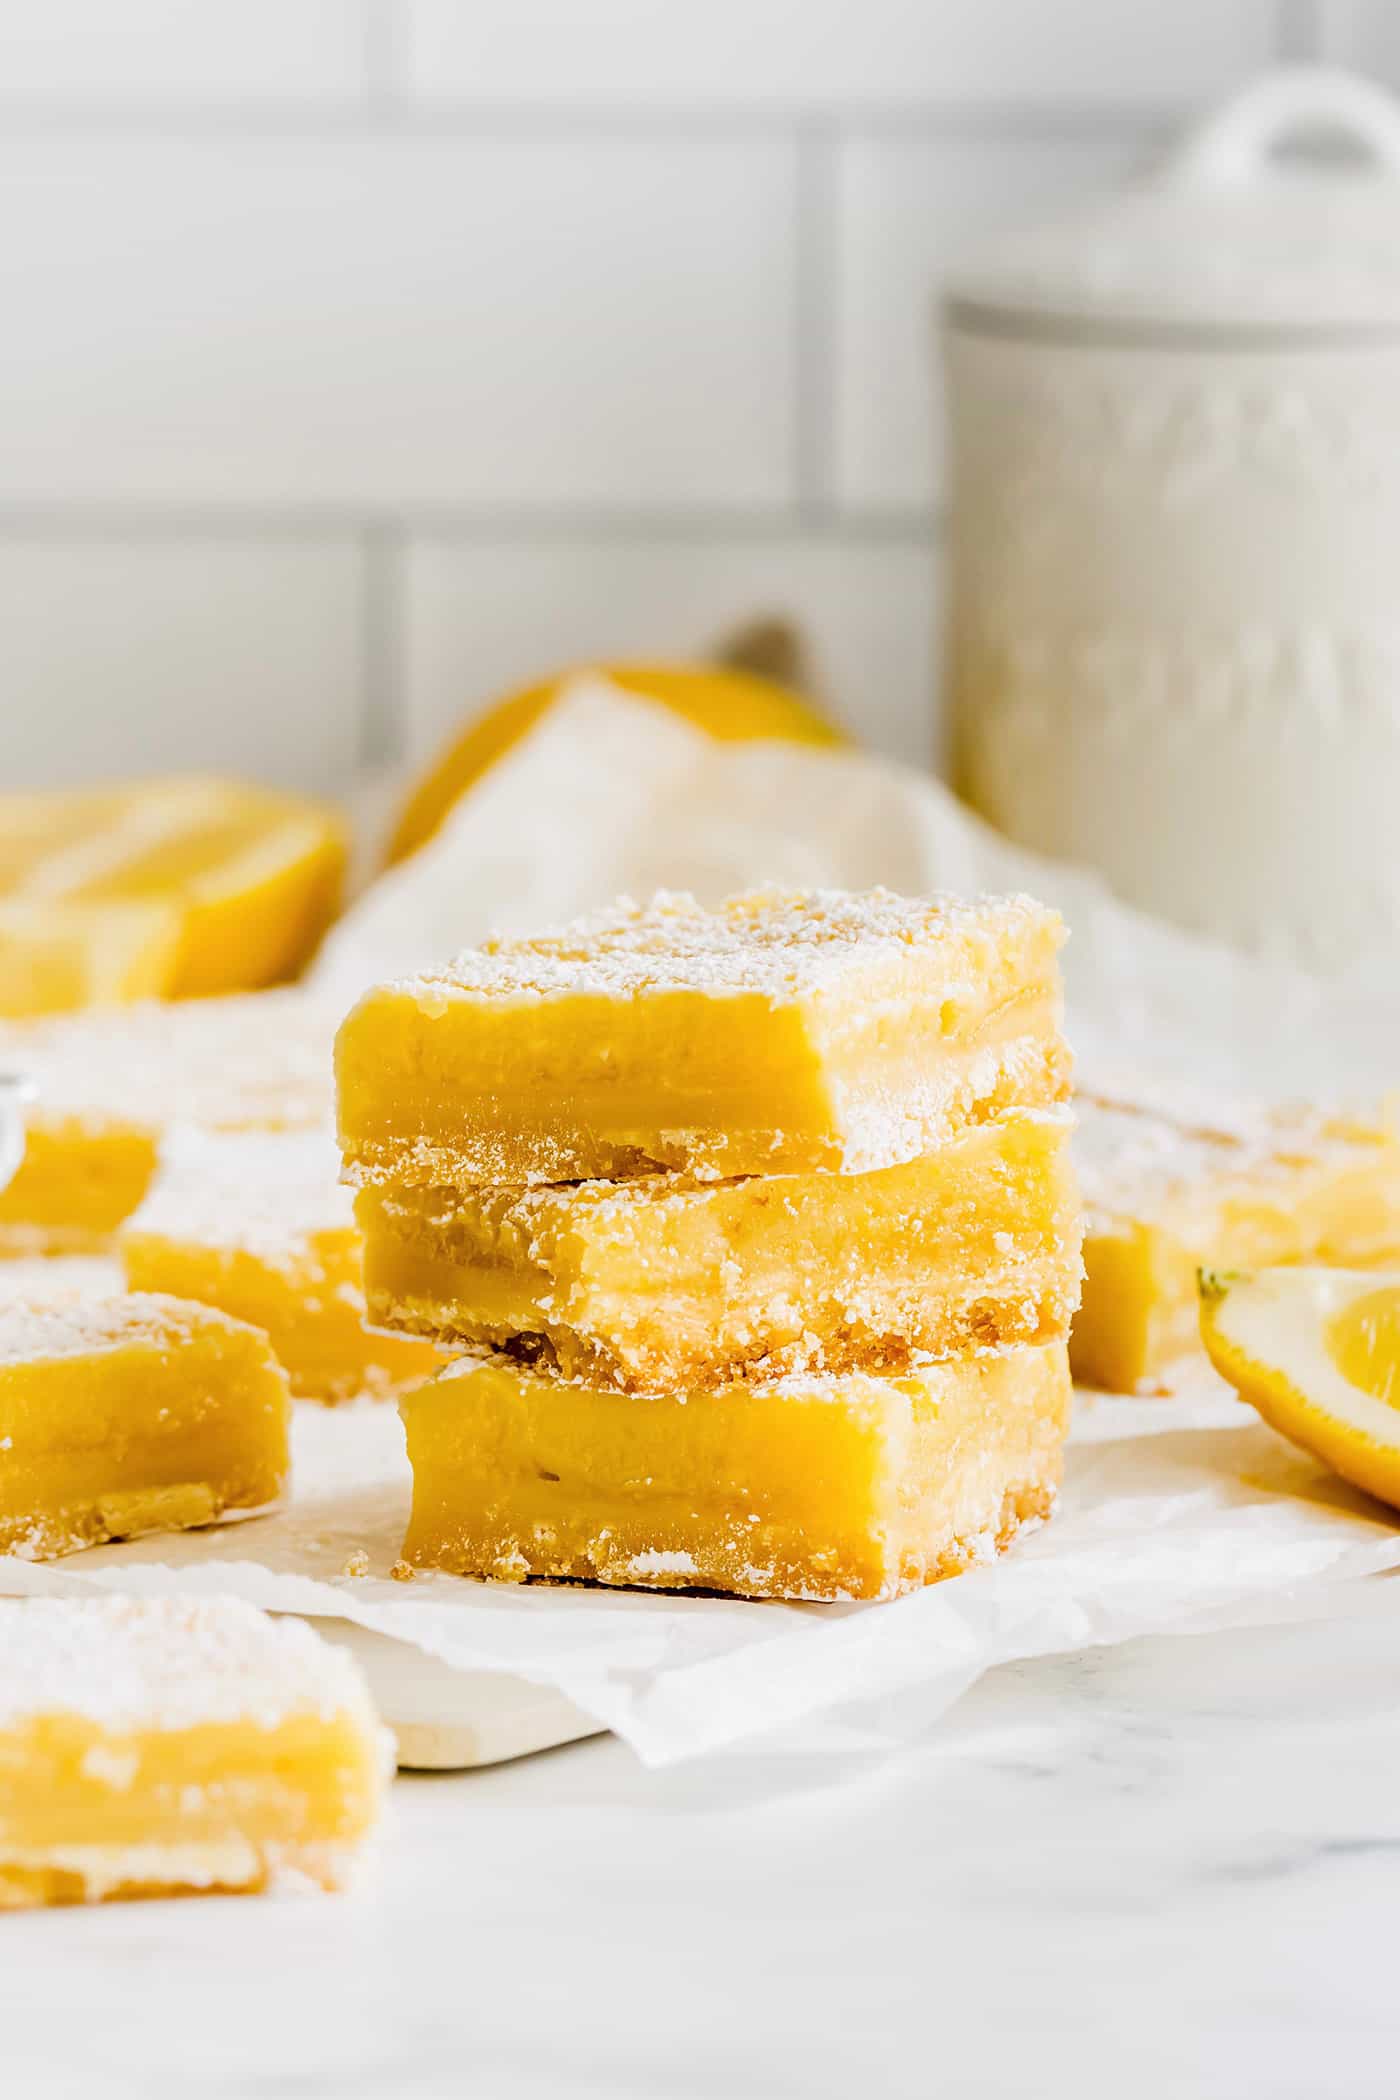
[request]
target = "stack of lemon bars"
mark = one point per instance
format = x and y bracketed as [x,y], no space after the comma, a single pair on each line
[757,1228]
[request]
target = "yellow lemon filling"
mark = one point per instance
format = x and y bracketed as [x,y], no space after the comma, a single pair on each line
[786,1031]
[1364,1342]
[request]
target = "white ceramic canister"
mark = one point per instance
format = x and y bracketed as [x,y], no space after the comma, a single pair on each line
[1174,599]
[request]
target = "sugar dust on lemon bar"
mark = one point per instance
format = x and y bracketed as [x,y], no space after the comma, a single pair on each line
[758,1225]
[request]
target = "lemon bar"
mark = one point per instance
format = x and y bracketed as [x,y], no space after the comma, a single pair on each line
[1169,1189]
[132,1414]
[642,1283]
[257,1224]
[247,881]
[166,1746]
[57,957]
[787,1032]
[828,1488]
[110,1083]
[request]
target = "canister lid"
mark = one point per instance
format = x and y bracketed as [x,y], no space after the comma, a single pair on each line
[1233,233]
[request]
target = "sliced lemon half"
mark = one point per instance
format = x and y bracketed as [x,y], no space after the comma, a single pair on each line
[169,888]
[1317,1352]
[730,705]
[56,957]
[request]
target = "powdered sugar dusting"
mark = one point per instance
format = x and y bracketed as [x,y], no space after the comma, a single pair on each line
[261,1192]
[35,1330]
[259,1060]
[646,1566]
[882,1127]
[1133,1157]
[130,1663]
[27,1277]
[778,942]
[553,1206]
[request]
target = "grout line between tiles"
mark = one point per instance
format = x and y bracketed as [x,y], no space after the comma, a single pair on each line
[815,295]
[380,30]
[1299,31]
[382,113]
[71,524]
[381,727]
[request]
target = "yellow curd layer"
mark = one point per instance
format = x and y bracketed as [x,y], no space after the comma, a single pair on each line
[169,1746]
[642,1284]
[256,1224]
[785,1032]
[132,1414]
[825,1488]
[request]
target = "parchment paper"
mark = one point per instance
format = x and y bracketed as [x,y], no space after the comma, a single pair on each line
[1176,1513]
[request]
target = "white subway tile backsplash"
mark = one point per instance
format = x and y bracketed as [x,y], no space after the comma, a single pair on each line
[568,300]
[828,53]
[1363,34]
[907,209]
[164,54]
[479,620]
[150,657]
[393,321]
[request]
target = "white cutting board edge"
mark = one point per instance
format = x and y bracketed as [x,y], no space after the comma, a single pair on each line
[446,1720]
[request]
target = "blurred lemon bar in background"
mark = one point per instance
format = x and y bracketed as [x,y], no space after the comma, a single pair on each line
[644,1283]
[731,705]
[109,1084]
[132,1414]
[1170,1191]
[234,886]
[823,1488]
[163,1746]
[257,1224]
[784,1032]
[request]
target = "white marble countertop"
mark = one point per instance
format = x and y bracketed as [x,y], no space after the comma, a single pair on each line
[1163,1869]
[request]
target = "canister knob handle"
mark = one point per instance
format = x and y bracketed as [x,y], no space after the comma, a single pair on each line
[1238,141]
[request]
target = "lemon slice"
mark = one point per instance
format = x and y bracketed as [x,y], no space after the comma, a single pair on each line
[1317,1352]
[170,887]
[732,706]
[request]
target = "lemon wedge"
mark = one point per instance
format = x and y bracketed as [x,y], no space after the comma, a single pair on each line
[1317,1352]
[733,706]
[57,957]
[168,888]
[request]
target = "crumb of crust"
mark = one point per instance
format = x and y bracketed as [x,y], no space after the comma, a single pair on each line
[357,1563]
[402,1572]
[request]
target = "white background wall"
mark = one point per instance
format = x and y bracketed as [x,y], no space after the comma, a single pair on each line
[360,357]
